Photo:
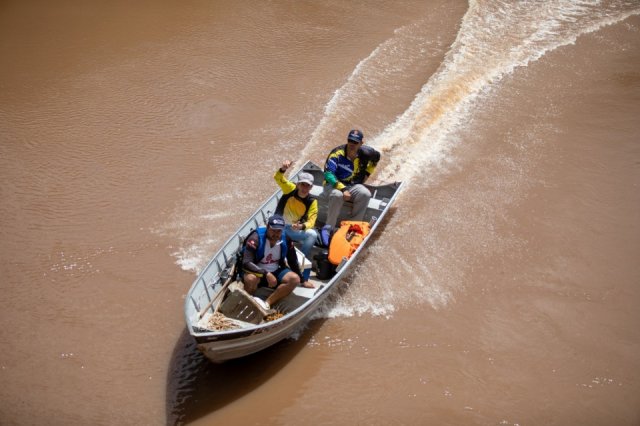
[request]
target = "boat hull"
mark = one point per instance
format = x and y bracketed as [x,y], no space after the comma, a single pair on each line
[219,349]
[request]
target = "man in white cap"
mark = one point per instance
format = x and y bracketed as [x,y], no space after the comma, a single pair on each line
[298,207]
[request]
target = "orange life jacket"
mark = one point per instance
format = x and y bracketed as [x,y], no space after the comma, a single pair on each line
[347,239]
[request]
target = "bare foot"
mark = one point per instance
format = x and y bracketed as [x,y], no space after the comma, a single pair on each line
[308,284]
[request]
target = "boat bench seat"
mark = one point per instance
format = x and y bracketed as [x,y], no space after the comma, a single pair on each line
[374,203]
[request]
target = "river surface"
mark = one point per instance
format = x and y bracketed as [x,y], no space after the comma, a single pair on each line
[504,288]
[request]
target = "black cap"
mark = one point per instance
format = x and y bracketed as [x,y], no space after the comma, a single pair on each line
[276,222]
[355,135]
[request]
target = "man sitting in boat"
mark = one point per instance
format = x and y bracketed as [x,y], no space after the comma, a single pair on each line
[263,262]
[346,169]
[298,207]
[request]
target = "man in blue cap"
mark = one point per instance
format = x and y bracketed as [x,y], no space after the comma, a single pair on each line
[346,169]
[263,262]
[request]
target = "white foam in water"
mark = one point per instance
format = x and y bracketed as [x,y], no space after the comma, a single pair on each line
[190,224]
[373,78]
[190,258]
[494,39]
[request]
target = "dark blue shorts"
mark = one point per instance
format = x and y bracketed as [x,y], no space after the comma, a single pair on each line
[279,273]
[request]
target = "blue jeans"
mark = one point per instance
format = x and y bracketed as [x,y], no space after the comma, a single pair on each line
[308,238]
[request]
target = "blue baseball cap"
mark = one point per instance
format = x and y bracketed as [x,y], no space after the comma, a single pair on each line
[355,135]
[276,222]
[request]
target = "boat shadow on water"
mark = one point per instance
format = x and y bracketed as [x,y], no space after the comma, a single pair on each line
[196,387]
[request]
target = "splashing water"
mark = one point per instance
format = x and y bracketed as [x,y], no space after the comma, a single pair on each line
[495,38]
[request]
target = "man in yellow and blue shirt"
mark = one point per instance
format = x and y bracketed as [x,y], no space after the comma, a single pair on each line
[346,169]
[298,207]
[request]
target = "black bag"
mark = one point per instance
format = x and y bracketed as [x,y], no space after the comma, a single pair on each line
[324,269]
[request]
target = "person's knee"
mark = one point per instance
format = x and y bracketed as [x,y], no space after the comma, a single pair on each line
[335,195]
[363,191]
[311,235]
[291,279]
[250,282]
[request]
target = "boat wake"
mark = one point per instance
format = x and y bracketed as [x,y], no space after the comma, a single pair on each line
[495,39]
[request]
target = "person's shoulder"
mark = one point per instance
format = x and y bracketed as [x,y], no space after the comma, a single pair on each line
[339,150]
[253,239]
